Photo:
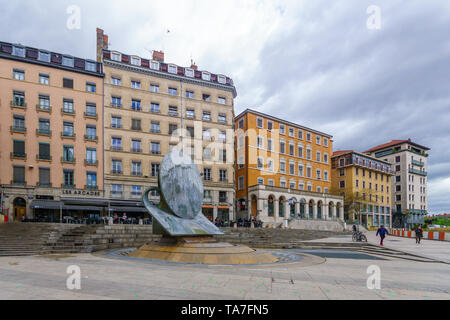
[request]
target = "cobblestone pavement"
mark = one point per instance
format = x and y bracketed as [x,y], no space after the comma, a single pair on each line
[339,276]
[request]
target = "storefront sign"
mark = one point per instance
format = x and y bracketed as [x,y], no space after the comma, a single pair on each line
[81,193]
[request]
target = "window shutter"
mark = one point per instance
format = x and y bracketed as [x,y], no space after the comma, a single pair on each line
[44,176]
[68,83]
[19,174]
[44,150]
[19,148]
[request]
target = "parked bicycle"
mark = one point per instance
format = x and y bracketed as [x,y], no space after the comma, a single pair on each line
[358,236]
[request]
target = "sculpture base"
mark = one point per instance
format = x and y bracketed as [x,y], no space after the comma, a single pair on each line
[202,250]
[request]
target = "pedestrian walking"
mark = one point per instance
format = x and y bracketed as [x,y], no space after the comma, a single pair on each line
[419,234]
[382,232]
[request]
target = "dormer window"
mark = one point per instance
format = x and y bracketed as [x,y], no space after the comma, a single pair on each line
[19,51]
[189,72]
[91,66]
[154,65]
[136,61]
[67,61]
[206,76]
[116,56]
[44,56]
[221,79]
[172,69]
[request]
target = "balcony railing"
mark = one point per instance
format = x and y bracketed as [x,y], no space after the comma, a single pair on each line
[116,171]
[173,113]
[155,131]
[136,150]
[43,132]
[91,115]
[90,137]
[68,186]
[41,157]
[136,173]
[91,187]
[116,148]
[155,152]
[15,155]
[68,112]
[91,162]
[418,163]
[15,104]
[18,129]
[67,160]
[43,108]
[415,171]
[68,135]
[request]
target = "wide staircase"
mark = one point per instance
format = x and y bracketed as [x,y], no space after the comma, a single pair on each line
[24,239]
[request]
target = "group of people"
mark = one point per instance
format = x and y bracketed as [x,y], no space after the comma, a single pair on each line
[382,231]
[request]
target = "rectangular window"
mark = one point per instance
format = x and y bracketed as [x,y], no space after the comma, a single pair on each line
[308,137]
[173,111]
[44,102]
[206,154]
[91,132]
[241,183]
[67,61]
[91,66]
[136,191]
[68,154]
[260,163]
[116,122]
[44,151]
[260,142]
[282,167]
[269,144]
[172,128]
[155,169]
[44,56]
[136,168]
[291,132]
[44,177]
[222,100]
[341,184]
[19,99]
[44,126]
[91,87]
[223,176]
[91,155]
[68,129]
[190,132]
[282,147]
[19,175]
[269,125]
[91,178]
[173,91]
[222,118]
[190,94]
[155,148]
[116,190]
[116,144]
[282,129]
[135,61]
[135,84]
[206,116]
[19,149]
[241,124]
[116,81]
[260,122]
[222,136]
[207,174]
[44,79]
[68,106]
[308,172]
[136,105]
[206,97]
[308,154]
[67,83]
[154,108]
[91,110]
[116,167]
[300,134]
[19,122]
[136,146]
[68,177]
[291,150]
[223,155]
[317,140]
[154,88]
[136,124]
[18,74]
[116,102]
[190,114]
[300,170]
[291,168]
[155,127]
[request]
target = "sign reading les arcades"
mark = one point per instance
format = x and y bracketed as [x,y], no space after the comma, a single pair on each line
[81,192]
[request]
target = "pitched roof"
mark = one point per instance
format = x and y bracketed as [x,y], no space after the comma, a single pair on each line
[341,152]
[386,145]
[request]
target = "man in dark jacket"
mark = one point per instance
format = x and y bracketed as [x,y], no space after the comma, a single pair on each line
[419,234]
[382,232]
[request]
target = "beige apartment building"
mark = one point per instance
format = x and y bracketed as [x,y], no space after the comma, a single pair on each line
[151,107]
[51,134]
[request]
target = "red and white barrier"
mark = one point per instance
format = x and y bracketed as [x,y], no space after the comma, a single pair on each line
[430,235]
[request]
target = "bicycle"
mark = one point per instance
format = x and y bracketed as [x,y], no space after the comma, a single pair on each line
[359,236]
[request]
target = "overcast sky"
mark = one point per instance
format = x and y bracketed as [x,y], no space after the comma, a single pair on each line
[311,62]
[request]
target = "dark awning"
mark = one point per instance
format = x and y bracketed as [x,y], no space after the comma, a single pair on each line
[85,202]
[82,208]
[45,204]
[128,209]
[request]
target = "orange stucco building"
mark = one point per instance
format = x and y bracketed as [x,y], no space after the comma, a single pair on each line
[282,169]
[51,106]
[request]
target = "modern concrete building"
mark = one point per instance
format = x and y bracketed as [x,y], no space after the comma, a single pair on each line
[51,106]
[365,183]
[409,184]
[283,170]
[151,107]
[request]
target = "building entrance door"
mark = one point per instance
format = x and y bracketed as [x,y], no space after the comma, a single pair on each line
[254,207]
[19,209]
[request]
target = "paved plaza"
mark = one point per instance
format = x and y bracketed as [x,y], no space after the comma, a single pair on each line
[328,275]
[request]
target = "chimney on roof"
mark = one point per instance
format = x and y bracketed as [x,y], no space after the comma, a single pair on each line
[193,65]
[102,43]
[158,56]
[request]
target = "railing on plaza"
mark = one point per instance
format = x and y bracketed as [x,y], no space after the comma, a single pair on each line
[87,221]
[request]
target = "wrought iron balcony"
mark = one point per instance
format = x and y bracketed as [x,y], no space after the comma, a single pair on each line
[44,132]
[16,104]
[43,108]
[91,162]
[67,160]
[16,155]
[41,157]
[90,137]
[18,129]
